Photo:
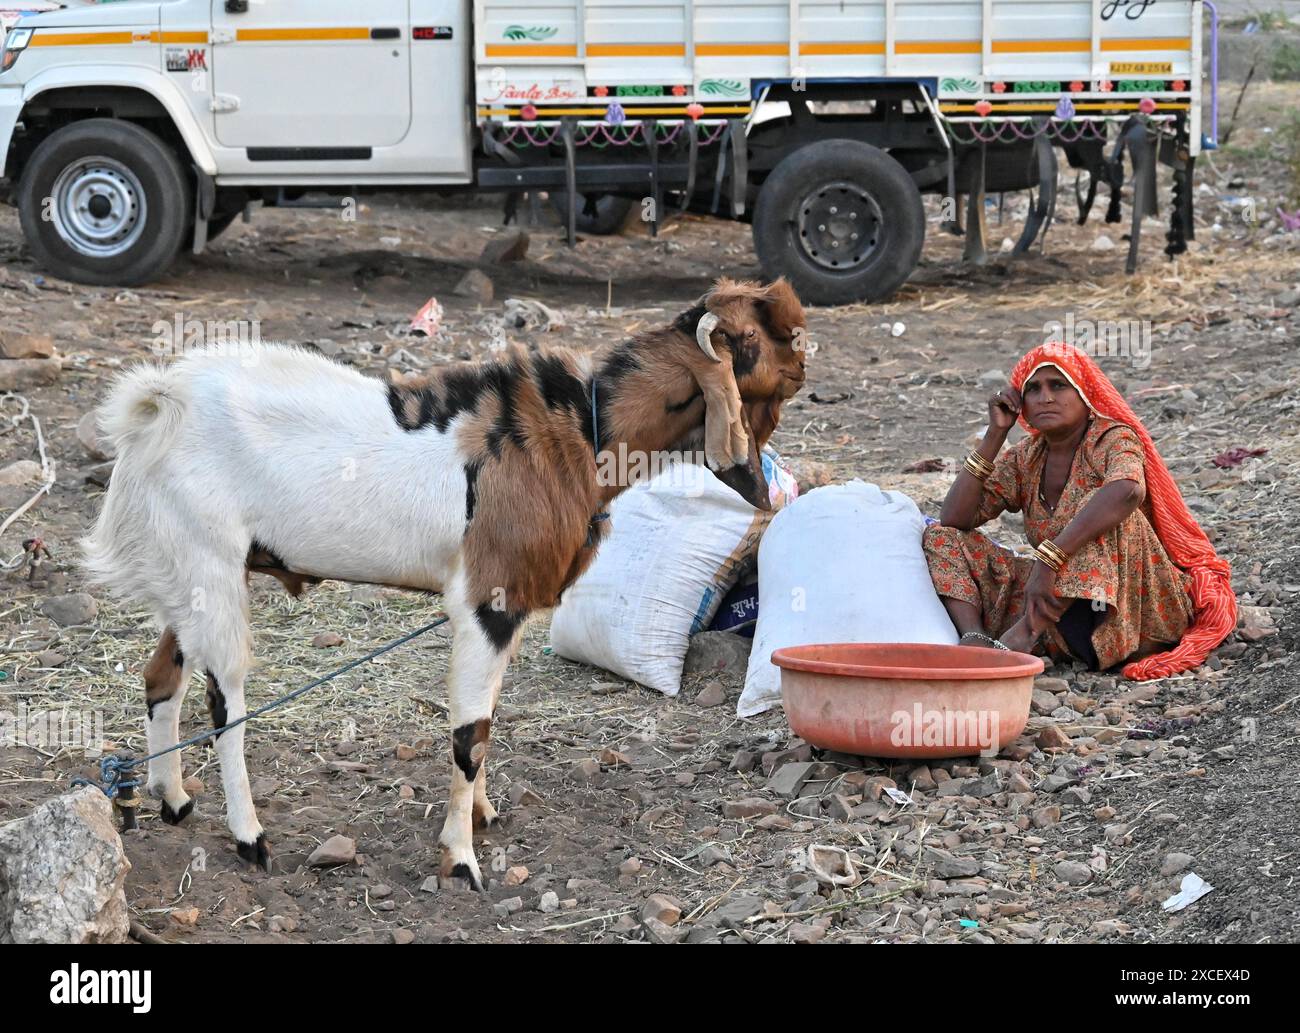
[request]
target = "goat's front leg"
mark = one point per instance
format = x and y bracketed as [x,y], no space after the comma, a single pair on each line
[479,655]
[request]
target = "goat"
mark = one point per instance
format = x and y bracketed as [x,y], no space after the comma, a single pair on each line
[479,482]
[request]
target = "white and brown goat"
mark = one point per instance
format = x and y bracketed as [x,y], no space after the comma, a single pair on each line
[480,483]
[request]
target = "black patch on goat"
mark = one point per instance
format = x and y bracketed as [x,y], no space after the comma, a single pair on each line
[471,477]
[744,355]
[498,625]
[560,389]
[216,703]
[463,741]
[689,321]
[619,364]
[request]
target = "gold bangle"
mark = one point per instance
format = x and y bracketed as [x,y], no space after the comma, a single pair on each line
[1055,551]
[1050,554]
[977,466]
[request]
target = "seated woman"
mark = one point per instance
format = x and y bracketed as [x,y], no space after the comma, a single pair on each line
[1121,570]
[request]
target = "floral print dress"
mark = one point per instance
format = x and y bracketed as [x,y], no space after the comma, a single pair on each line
[1140,597]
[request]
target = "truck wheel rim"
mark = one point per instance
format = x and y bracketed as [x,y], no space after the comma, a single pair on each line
[98,207]
[838,226]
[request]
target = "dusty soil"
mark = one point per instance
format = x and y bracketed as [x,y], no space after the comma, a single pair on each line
[1202,765]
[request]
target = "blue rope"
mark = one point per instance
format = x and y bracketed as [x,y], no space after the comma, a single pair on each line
[112,768]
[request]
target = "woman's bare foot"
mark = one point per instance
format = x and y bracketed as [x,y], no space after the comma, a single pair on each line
[1020,636]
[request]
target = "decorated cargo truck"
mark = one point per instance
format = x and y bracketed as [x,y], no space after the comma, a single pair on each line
[132,130]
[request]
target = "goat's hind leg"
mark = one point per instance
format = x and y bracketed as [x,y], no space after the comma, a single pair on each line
[166,677]
[219,638]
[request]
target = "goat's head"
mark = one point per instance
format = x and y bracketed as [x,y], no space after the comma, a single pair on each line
[754,340]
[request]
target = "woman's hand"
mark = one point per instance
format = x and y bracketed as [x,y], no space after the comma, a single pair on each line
[1004,408]
[1043,606]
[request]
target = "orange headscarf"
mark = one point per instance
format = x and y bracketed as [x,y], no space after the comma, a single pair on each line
[1184,541]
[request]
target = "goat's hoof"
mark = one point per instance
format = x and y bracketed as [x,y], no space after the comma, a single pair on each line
[487,822]
[174,816]
[258,853]
[462,876]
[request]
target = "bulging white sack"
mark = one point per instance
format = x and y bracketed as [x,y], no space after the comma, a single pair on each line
[676,545]
[840,564]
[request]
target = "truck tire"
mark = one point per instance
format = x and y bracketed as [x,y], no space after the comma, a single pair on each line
[841,220]
[104,202]
[601,215]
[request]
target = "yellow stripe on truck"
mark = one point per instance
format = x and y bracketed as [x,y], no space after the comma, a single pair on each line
[532,50]
[296,35]
[44,38]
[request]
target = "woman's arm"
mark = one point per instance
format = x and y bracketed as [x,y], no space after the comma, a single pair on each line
[962,503]
[1110,506]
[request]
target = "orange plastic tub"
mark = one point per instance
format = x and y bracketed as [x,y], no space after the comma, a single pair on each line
[906,699]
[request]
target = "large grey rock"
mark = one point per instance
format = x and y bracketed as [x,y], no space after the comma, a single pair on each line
[63,873]
[18,374]
[713,651]
[74,608]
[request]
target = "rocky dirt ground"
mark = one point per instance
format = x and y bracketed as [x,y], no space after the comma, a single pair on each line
[634,817]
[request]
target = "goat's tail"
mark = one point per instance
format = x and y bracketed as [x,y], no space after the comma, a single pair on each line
[142,417]
[143,413]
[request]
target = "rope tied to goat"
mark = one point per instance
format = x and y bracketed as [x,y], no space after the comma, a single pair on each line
[114,768]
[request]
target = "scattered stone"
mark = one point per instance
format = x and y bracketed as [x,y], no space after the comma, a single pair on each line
[24,471]
[660,932]
[327,640]
[630,867]
[661,908]
[476,285]
[750,807]
[712,695]
[335,850]
[63,873]
[193,785]
[1103,243]
[841,807]
[1055,783]
[809,473]
[403,936]
[713,652]
[1104,813]
[405,792]
[49,658]
[950,866]
[774,823]
[1075,873]
[521,794]
[1044,816]
[381,891]
[68,610]
[1052,738]
[613,759]
[585,770]
[1077,795]
[404,752]
[506,247]
[549,902]
[516,875]
[1175,863]
[282,924]
[188,916]
[20,374]
[25,346]
[1017,783]
[714,854]
[430,885]
[789,779]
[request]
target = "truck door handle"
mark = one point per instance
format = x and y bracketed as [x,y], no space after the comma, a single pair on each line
[236,6]
[385,33]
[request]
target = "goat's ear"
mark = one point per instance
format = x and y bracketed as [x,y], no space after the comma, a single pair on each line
[747,479]
[726,440]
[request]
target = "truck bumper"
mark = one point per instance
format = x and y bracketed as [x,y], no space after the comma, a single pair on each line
[11,104]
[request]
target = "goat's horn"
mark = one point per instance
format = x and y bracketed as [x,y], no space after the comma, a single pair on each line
[703,329]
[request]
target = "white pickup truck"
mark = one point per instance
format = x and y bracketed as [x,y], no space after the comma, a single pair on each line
[132,130]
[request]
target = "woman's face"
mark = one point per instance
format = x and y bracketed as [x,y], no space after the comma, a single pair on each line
[1051,404]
